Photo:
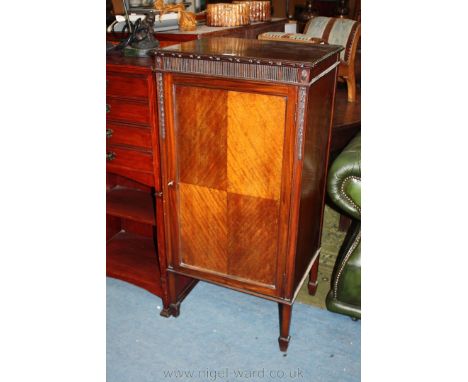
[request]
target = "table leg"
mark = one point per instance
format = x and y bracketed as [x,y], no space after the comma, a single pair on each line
[285,311]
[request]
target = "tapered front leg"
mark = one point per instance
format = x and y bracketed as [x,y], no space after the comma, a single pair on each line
[285,311]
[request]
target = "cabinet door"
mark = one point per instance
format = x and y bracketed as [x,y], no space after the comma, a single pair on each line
[228,163]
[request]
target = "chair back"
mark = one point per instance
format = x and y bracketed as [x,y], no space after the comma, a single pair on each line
[336,31]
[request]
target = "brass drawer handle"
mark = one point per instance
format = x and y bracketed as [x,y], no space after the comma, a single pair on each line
[110,156]
[109,133]
[108,107]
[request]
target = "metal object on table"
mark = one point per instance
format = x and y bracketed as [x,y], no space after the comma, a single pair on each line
[129,24]
[143,41]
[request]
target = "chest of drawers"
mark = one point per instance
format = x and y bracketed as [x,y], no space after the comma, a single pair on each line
[135,237]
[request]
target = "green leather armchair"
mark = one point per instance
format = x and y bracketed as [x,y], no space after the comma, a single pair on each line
[344,189]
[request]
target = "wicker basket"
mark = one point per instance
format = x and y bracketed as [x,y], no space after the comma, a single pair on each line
[259,10]
[227,15]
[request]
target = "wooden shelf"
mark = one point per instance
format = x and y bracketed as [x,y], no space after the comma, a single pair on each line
[133,258]
[131,204]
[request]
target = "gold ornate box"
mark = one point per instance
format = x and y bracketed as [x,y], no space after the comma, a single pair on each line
[259,10]
[228,15]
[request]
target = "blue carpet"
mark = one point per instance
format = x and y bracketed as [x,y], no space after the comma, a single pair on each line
[223,335]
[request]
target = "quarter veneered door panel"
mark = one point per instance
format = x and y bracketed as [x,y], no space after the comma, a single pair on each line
[201,136]
[203,227]
[229,156]
[255,144]
[253,242]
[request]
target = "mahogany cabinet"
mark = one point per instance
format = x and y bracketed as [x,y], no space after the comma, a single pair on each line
[244,133]
[135,234]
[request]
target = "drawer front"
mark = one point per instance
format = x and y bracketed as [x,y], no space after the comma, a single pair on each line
[127,111]
[127,85]
[135,160]
[120,134]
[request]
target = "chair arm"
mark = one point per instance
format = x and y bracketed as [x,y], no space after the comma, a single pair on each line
[290,37]
[344,179]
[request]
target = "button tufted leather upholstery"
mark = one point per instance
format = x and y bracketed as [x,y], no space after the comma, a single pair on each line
[344,189]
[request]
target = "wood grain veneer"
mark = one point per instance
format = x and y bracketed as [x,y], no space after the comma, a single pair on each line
[253,229]
[202,136]
[256,124]
[230,161]
[203,227]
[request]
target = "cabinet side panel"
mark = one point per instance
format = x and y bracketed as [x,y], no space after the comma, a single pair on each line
[316,146]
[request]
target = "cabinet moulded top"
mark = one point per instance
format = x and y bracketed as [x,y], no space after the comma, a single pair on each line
[248,51]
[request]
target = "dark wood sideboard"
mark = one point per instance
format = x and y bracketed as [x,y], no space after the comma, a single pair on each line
[248,31]
[134,199]
[226,181]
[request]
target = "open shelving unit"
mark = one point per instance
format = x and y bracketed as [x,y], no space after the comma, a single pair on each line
[131,257]
[131,204]
[131,248]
